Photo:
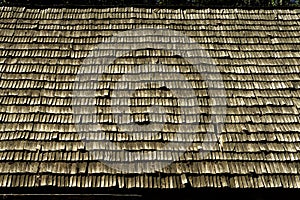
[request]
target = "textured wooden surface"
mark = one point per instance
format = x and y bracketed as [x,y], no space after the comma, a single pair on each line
[257,52]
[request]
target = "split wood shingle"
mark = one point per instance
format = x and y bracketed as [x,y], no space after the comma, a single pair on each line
[257,52]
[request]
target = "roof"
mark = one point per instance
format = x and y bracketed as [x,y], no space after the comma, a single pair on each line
[256,52]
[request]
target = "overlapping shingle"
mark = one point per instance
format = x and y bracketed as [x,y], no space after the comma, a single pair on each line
[257,52]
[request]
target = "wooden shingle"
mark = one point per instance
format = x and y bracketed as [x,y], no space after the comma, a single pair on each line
[256,52]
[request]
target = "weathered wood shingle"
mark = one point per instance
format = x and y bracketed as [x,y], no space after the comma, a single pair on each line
[257,52]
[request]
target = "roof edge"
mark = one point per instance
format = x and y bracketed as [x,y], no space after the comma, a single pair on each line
[154,7]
